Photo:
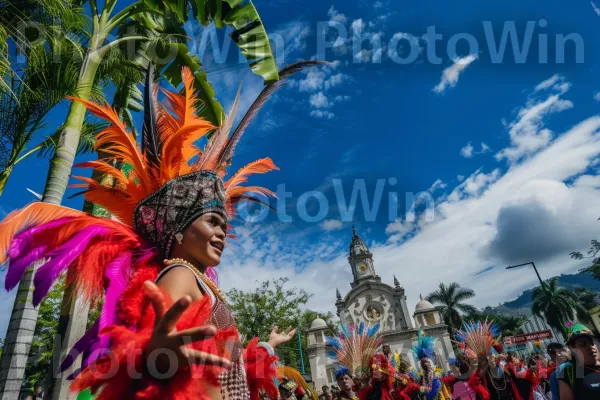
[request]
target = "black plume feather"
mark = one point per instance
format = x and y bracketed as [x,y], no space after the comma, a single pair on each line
[286,72]
[150,140]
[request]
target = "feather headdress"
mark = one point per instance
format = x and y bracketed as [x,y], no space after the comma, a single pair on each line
[425,347]
[355,347]
[478,338]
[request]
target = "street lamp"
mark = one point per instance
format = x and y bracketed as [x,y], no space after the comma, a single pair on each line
[534,268]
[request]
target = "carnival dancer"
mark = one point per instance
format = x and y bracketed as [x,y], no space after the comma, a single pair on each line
[427,386]
[355,349]
[490,381]
[381,382]
[149,263]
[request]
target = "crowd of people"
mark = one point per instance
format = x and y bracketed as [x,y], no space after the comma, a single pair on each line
[481,371]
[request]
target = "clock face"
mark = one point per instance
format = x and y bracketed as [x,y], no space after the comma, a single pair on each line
[362,268]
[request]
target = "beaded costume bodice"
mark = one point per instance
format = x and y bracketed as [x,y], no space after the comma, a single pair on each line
[234,383]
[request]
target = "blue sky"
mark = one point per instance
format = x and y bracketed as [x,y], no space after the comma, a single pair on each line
[503,152]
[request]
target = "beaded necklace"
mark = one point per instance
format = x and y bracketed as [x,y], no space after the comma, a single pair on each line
[200,274]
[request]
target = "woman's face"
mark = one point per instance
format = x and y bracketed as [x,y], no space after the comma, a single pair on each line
[203,240]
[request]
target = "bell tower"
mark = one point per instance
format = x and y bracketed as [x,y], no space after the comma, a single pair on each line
[361,261]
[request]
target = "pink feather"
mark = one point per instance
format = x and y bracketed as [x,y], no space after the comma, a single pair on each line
[61,258]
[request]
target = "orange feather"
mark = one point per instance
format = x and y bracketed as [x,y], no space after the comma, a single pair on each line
[117,141]
[261,166]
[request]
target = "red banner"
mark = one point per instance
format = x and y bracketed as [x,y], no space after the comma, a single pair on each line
[528,337]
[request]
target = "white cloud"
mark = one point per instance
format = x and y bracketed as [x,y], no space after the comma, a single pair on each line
[331,225]
[335,80]
[460,178]
[319,100]
[399,230]
[294,35]
[451,74]
[336,16]
[358,25]
[377,5]
[324,114]
[596,9]
[314,80]
[438,184]
[527,132]
[555,82]
[587,181]
[597,96]
[467,151]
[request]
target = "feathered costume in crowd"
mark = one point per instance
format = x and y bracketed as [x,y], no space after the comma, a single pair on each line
[170,183]
[355,350]
[427,386]
[482,340]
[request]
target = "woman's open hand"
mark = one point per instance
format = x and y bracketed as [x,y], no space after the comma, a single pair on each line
[167,340]
[277,339]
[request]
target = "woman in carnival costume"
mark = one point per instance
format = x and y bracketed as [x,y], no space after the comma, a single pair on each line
[428,385]
[355,350]
[492,380]
[150,262]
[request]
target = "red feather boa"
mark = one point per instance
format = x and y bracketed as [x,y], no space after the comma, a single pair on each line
[260,371]
[122,374]
[478,386]
[109,376]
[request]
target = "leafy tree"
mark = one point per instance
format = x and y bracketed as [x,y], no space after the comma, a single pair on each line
[592,253]
[586,300]
[272,304]
[40,354]
[555,304]
[451,299]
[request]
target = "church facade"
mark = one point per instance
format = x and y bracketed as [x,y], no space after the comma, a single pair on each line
[369,301]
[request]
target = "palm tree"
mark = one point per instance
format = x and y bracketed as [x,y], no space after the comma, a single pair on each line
[451,299]
[555,304]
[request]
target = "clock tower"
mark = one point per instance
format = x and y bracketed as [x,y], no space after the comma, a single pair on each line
[361,261]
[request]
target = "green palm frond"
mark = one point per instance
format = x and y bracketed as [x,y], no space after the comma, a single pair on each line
[86,143]
[450,298]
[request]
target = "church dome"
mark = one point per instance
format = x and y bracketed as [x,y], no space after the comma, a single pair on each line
[423,305]
[318,324]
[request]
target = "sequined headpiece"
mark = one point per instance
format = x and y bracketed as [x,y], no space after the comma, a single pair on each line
[170,209]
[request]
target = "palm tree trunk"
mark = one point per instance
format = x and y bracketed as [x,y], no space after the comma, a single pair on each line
[62,162]
[4,178]
[24,315]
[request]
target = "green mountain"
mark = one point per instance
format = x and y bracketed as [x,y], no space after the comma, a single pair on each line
[522,304]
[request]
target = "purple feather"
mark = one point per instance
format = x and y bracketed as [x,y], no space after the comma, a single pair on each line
[60,259]
[18,266]
[21,256]
[26,236]
[117,272]
[82,344]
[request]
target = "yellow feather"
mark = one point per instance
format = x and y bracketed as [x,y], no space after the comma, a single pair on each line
[292,374]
